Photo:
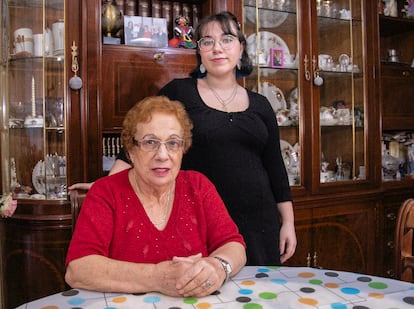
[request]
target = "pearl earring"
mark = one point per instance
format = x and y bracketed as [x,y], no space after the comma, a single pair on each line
[202,68]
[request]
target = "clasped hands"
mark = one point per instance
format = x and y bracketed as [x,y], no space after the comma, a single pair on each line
[190,276]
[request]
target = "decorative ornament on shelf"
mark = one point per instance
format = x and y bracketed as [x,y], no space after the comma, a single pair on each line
[112,19]
[183,34]
[7,205]
[408,9]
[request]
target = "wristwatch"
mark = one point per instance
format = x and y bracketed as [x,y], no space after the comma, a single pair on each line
[226,266]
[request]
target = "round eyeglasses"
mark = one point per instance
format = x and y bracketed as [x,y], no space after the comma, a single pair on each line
[226,42]
[152,145]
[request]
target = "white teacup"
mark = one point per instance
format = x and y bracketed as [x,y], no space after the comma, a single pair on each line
[325,61]
[23,41]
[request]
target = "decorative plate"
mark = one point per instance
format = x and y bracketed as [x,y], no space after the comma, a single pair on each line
[38,177]
[267,18]
[266,41]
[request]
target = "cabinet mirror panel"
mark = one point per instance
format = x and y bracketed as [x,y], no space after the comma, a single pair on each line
[272,44]
[34,99]
[339,76]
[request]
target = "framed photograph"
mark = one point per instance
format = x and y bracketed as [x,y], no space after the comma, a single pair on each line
[276,58]
[145,31]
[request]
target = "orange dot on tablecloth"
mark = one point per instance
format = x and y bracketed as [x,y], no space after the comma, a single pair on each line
[248,282]
[308,301]
[120,299]
[376,295]
[306,275]
[331,285]
[50,307]
[203,306]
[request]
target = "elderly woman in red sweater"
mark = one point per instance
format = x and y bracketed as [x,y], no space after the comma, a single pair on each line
[153,227]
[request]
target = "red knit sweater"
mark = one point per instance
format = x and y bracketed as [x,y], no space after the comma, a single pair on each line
[113,223]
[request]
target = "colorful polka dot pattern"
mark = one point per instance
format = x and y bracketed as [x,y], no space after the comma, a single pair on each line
[259,288]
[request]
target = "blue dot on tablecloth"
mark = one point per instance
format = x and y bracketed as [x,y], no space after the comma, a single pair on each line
[350,291]
[76,301]
[338,306]
[152,299]
[106,308]
[263,270]
[279,281]
[245,291]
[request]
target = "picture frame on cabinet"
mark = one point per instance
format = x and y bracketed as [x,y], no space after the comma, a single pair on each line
[145,31]
[276,58]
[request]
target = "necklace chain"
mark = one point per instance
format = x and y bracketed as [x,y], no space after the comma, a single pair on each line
[224,102]
[166,205]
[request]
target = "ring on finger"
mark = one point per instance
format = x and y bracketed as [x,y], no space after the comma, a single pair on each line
[208,284]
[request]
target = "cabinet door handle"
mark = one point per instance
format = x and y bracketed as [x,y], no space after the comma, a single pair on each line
[159,56]
[75,82]
[317,79]
[406,73]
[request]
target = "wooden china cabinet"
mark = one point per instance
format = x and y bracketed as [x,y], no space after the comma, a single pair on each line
[314,60]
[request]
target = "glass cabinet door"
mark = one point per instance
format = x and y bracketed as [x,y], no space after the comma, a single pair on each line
[271,30]
[339,75]
[33,100]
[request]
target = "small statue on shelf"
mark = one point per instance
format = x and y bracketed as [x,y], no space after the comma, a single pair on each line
[183,34]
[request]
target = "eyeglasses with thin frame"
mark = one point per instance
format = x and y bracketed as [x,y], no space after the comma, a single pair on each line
[152,145]
[226,42]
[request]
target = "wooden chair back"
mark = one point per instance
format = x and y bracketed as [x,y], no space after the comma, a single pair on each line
[76,200]
[404,259]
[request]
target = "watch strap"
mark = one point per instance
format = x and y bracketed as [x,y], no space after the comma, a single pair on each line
[226,266]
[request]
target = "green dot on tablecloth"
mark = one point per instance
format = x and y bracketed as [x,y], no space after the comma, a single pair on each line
[268,295]
[190,300]
[378,285]
[316,281]
[252,306]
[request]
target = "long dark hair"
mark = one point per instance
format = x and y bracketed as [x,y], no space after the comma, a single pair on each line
[227,21]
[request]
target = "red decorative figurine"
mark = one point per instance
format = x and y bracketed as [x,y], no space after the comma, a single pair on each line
[183,34]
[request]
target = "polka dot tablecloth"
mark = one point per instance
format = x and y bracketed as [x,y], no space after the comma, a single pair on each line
[258,288]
